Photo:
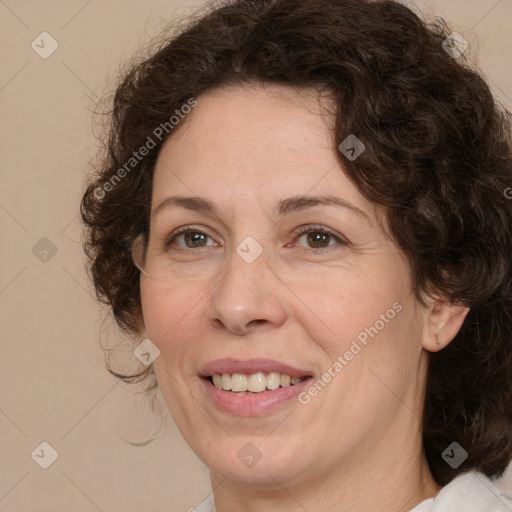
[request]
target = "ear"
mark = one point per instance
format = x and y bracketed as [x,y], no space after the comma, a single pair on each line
[443,321]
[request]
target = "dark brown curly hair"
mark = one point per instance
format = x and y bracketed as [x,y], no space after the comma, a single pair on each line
[438,155]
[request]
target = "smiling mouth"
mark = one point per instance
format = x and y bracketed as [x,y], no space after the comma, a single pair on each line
[253,384]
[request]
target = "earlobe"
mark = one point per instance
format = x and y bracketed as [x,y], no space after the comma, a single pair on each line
[444,320]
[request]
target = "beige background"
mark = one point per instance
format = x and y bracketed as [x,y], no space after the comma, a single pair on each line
[54,385]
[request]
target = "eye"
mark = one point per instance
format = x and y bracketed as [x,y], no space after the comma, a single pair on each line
[319,237]
[193,238]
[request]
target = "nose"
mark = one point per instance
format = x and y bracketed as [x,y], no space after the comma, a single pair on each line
[248,296]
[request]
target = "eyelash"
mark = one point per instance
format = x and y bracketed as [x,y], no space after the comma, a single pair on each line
[298,234]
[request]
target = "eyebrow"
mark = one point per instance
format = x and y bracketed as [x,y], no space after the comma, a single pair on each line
[282,208]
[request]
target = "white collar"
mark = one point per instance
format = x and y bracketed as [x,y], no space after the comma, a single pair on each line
[469,492]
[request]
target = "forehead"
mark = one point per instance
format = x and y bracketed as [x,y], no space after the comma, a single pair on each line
[269,141]
[271,116]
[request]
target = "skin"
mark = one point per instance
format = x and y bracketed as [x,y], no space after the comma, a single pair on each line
[356,446]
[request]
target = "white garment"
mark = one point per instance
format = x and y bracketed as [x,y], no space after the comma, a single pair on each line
[469,492]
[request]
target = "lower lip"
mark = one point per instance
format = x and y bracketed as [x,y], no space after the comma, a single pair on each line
[253,405]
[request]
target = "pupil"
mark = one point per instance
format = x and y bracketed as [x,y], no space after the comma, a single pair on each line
[193,236]
[314,237]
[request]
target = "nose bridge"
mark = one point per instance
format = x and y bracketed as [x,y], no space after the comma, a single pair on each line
[248,290]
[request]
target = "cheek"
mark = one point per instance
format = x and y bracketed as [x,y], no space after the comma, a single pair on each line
[169,311]
[359,306]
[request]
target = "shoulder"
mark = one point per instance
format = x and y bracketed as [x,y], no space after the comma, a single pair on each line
[472,492]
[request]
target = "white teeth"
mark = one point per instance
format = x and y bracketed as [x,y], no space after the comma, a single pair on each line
[273,380]
[217,380]
[285,381]
[239,382]
[254,383]
[225,382]
[257,382]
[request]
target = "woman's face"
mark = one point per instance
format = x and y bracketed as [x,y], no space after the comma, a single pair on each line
[314,288]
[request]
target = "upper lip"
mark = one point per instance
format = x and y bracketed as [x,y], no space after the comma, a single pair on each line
[250,366]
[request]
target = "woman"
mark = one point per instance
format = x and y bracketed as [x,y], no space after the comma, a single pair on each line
[302,208]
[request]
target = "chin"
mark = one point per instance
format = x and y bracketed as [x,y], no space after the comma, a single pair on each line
[254,460]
